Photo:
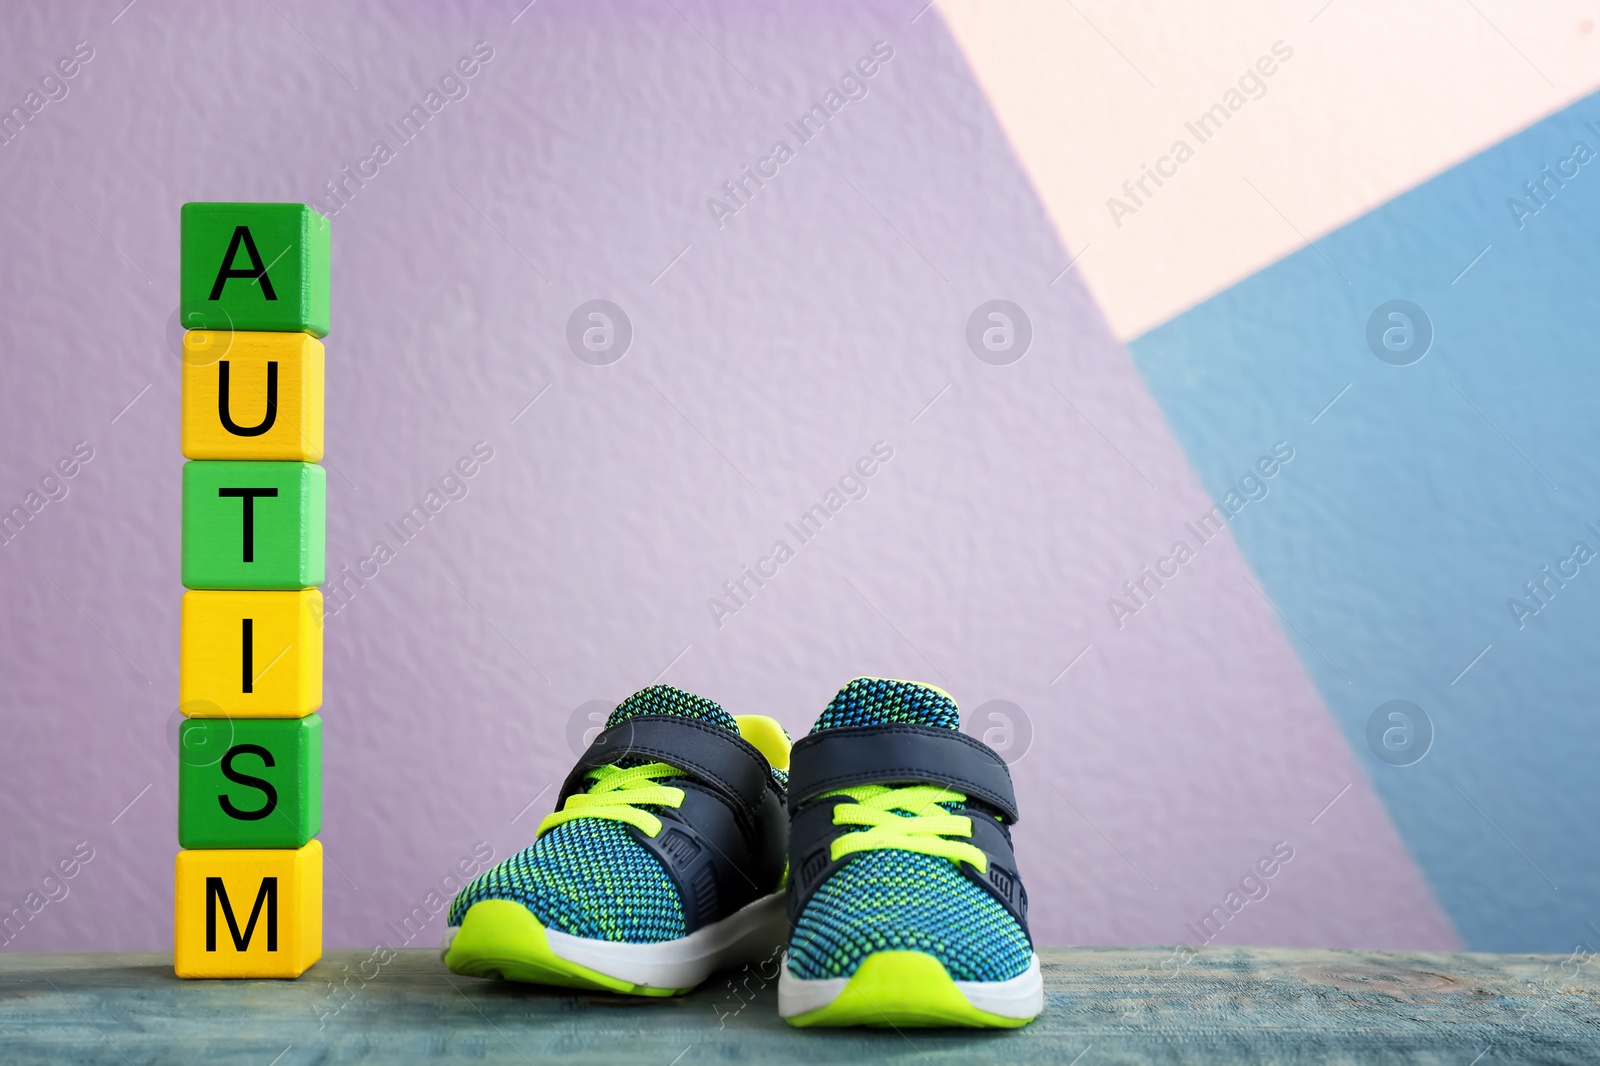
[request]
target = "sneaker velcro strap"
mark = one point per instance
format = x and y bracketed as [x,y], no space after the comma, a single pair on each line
[712,755]
[898,753]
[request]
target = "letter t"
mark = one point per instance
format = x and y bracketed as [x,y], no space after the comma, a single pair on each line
[249,498]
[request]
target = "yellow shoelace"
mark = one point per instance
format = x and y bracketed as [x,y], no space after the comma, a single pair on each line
[907,817]
[614,794]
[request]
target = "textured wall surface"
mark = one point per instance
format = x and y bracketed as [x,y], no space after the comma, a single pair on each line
[1436,542]
[771,349]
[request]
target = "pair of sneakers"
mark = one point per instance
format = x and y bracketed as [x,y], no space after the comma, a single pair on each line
[687,840]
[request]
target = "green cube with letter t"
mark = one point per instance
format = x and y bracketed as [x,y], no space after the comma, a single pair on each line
[250,525]
[254,267]
[249,782]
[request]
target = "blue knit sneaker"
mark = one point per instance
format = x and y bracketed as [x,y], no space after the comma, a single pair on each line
[662,863]
[903,888]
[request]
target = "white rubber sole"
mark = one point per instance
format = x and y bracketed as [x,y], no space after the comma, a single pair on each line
[1020,997]
[757,931]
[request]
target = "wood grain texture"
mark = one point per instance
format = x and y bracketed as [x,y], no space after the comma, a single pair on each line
[1235,1005]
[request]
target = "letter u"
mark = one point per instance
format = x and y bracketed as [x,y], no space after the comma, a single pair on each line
[272,402]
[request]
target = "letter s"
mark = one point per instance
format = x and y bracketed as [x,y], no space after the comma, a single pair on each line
[252,782]
[483,50]
[483,450]
[883,50]
[83,50]
[83,451]
[1282,51]
[1283,451]
[1283,851]
[883,450]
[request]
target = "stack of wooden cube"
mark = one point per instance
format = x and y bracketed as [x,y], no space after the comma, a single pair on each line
[254,302]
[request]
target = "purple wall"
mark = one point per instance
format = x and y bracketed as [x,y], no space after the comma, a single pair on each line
[769,353]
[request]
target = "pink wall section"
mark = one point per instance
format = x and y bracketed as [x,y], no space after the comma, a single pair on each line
[1330,111]
[827,314]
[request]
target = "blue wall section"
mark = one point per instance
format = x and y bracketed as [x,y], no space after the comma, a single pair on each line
[1424,499]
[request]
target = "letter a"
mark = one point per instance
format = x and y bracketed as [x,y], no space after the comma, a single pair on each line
[720,610]
[1116,606]
[258,271]
[1115,206]
[720,211]
[1520,612]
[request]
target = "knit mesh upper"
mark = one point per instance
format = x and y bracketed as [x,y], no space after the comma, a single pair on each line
[896,900]
[589,877]
[877,700]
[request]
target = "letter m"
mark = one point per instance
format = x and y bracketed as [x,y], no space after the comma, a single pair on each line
[16,517]
[217,893]
[417,116]
[1210,123]
[16,918]
[816,516]
[11,123]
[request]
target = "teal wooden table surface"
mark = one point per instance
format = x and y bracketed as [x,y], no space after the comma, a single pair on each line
[1104,1005]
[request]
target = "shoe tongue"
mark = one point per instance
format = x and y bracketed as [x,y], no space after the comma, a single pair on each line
[878,700]
[666,700]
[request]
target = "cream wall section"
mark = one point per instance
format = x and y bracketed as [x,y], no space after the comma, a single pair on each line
[1374,98]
